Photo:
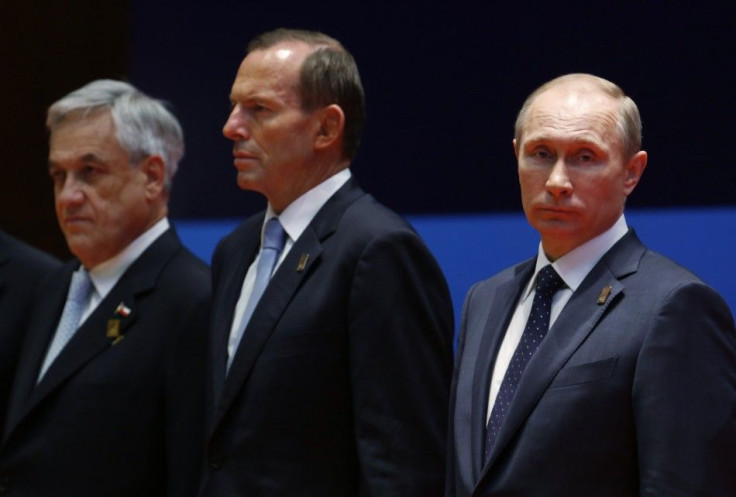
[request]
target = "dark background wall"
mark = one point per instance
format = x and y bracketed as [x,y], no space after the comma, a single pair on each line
[443,83]
[47,48]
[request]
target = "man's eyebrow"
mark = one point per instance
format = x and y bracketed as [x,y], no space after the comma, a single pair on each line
[88,157]
[578,140]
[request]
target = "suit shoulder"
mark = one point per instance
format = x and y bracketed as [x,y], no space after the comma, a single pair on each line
[661,278]
[186,275]
[241,232]
[370,218]
[26,260]
[661,272]
[482,287]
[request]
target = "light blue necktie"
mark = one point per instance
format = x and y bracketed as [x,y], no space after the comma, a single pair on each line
[77,298]
[274,238]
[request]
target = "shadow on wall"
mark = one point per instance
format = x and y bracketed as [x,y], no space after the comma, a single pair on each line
[473,247]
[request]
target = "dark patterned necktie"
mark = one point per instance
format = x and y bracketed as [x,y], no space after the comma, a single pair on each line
[548,282]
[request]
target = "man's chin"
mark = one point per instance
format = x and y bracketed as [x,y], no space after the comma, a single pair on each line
[554,224]
[247,182]
[79,245]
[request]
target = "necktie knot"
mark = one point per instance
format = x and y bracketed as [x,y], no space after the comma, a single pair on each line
[80,287]
[274,235]
[548,281]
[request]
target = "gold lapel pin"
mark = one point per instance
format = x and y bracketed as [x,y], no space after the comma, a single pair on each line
[113,331]
[302,263]
[603,296]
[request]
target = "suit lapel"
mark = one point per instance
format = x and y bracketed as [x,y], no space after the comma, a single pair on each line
[506,296]
[101,330]
[576,321]
[3,260]
[269,309]
[232,282]
[293,271]
[47,313]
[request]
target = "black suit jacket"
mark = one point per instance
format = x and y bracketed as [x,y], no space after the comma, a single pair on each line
[341,381]
[114,417]
[21,268]
[633,393]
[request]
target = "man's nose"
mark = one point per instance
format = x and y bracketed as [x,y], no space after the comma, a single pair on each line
[235,126]
[70,192]
[558,181]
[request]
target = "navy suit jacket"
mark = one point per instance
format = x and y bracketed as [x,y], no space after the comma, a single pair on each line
[630,394]
[341,382]
[21,268]
[114,417]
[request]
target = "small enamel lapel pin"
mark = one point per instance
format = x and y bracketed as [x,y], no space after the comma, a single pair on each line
[603,296]
[113,325]
[302,263]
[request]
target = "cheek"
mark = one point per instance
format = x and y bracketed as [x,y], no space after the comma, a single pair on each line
[531,181]
[605,189]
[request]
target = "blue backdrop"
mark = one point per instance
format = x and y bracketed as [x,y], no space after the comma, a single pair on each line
[473,247]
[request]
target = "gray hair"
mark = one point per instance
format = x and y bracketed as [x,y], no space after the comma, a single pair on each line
[143,125]
[629,122]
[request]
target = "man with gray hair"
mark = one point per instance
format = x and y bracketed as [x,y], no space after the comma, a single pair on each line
[597,367]
[108,393]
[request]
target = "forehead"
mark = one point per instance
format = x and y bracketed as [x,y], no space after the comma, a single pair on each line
[271,73]
[573,114]
[80,135]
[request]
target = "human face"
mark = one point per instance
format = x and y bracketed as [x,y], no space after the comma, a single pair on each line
[573,173]
[100,199]
[274,138]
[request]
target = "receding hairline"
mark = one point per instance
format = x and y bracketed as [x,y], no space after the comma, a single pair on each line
[577,82]
[313,39]
[628,118]
[72,116]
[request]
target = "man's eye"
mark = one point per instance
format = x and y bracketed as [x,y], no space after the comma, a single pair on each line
[57,177]
[585,157]
[541,153]
[88,172]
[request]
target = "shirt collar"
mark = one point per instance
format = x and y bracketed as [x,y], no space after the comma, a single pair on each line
[298,214]
[104,276]
[574,266]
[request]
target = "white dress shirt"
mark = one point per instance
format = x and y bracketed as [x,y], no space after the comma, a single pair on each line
[105,275]
[572,267]
[294,219]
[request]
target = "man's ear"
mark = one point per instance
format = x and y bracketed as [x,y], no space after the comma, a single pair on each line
[331,127]
[154,171]
[633,171]
[516,148]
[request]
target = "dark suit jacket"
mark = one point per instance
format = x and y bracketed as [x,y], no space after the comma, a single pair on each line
[114,419]
[632,396]
[341,381]
[21,268]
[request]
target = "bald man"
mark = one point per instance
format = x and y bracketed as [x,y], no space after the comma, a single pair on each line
[596,368]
